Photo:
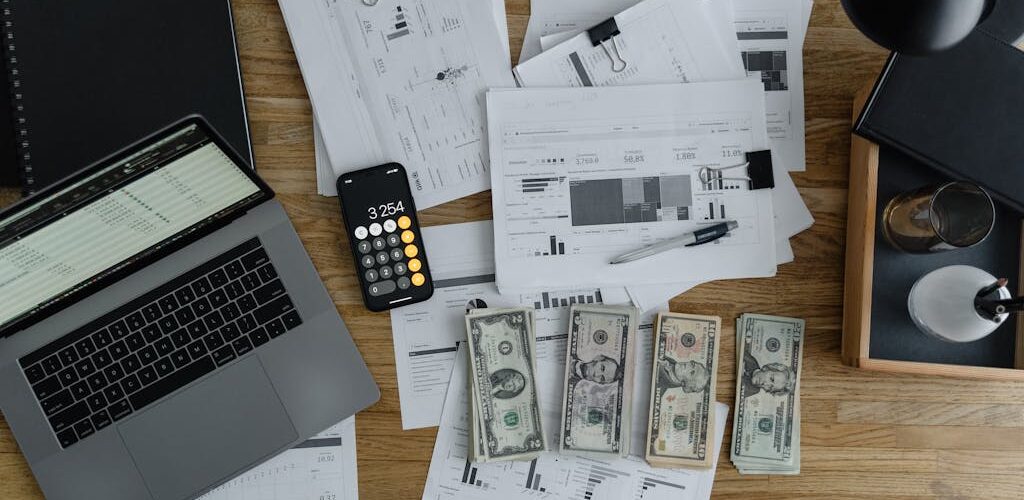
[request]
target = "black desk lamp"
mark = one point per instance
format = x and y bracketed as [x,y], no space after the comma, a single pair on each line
[924,26]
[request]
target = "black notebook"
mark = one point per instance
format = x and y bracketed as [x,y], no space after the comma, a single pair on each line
[958,111]
[88,78]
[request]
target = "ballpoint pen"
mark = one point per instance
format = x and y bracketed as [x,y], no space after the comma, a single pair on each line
[698,237]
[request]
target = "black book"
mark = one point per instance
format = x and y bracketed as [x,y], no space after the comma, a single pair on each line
[88,78]
[959,111]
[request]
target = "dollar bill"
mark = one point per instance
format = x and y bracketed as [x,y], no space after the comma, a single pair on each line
[597,399]
[766,426]
[501,353]
[683,390]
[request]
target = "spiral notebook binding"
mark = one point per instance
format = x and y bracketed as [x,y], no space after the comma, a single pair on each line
[10,53]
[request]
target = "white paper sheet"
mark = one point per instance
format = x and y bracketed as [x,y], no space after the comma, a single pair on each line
[662,41]
[425,334]
[555,16]
[592,174]
[552,475]
[403,81]
[323,467]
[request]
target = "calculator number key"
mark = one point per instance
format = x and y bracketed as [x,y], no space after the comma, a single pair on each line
[381,288]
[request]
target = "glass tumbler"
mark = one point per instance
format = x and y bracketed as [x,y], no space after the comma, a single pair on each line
[939,217]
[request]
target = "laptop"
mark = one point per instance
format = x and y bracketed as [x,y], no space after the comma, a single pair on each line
[162,328]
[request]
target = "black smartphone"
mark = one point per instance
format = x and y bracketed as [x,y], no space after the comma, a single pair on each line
[387,245]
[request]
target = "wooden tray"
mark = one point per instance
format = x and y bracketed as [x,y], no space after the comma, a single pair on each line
[878,333]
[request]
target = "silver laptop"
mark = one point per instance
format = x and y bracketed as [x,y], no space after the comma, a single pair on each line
[162,328]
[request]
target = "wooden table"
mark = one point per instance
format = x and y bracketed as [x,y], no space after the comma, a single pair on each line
[864,435]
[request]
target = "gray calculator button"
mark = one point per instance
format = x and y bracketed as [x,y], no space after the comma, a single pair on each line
[382,288]
[386,272]
[371,275]
[400,268]
[368,261]
[396,254]
[378,243]
[393,240]
[364,246]
[403,283]
[382,258]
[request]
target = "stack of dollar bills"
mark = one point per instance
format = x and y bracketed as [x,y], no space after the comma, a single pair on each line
[598,392]
[766,426]
[681,419]
[505,409]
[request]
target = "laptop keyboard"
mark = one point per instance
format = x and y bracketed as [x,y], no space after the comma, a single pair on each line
[161,341]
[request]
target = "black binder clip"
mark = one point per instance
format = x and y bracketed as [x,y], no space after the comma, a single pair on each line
[760,173]
[604,33]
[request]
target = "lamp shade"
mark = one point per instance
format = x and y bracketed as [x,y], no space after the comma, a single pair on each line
[917,26]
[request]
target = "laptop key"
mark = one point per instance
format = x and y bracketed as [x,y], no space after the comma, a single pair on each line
[47,387]
[135,321]
[135,341]
[171,383]
[164,346]
[218,278]
[180,358]
[201,306]
[113,372]
[85,347]
[97,401]
[168,324]
[268,292]
[35,373]
[151,332]
[57,402]
[291,320]
[201,287]
[98,381]
[52,365]
[102,338]
[80,390]
[102,358]
[118,329]
[164,367]
[230,332]
[255,259]
[120,410]
[101,420]
[68,355]
[250,282]
[235,270]
[168,304]
[131,384]
[247,303]
[113,392]
[218,298]
[267,272]
[85,368]
[213,320]
[147,355]
[242,345]
[147,375]
[184,315]
[131,363]
[180,338]
[223,355]
[212,341]
[273,309]
[66,418]
[118,349]
[67,376]
[230,312]
[67,438]
[197,349]
[185,295]
[259,336]
[84,429]
[151,313]
[275,328]
[234,290]
[196,329]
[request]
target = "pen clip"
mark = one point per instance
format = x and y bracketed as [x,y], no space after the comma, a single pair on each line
[604,33]
[699,243]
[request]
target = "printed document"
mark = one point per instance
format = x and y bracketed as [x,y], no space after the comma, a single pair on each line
[581,177]
[551,475]
[403,80]
[661,41]
[323,467]
[557,16]
[426,334]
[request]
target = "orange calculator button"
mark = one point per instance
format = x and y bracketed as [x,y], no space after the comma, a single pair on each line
[408,236]
[411,251]
[415,265]
[418,279]
[404,222]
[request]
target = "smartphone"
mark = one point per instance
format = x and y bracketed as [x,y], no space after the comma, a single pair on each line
[387,245]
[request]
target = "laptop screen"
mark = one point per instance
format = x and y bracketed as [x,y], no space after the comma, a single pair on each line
[115,216]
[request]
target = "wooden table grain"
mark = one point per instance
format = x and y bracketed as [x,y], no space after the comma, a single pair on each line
[864,434]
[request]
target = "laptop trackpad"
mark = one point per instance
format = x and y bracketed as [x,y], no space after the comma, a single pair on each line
[208,432]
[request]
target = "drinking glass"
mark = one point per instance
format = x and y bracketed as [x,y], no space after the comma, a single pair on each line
[939,217]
